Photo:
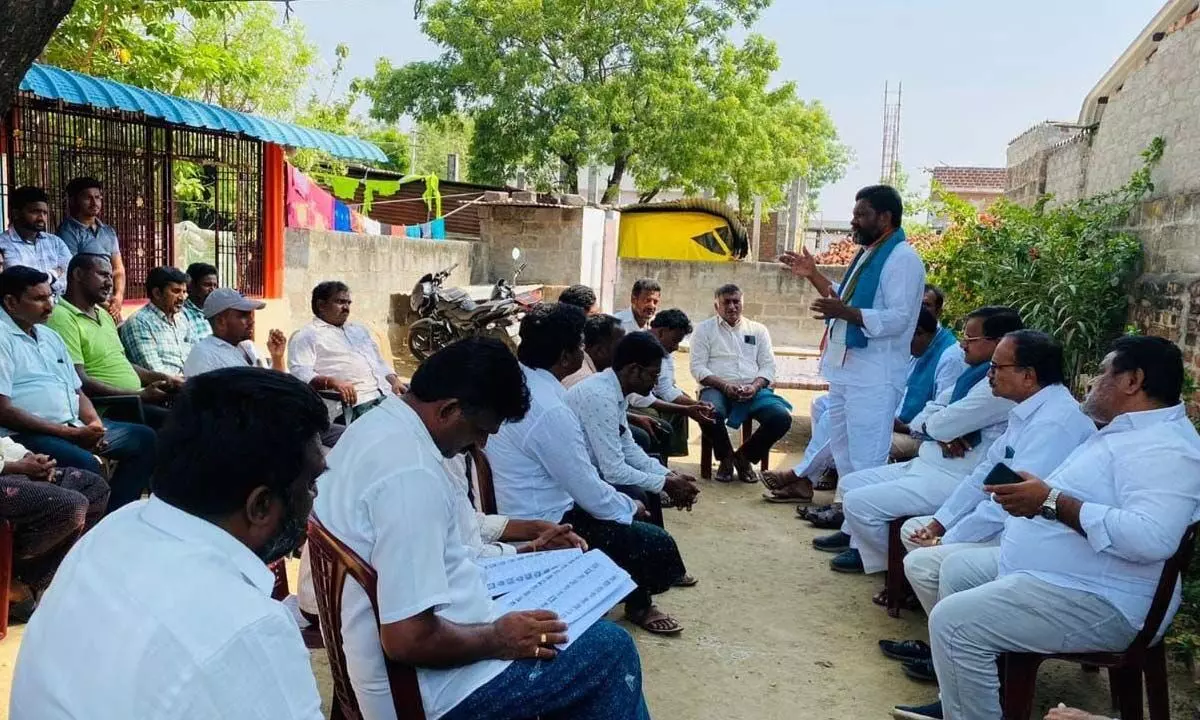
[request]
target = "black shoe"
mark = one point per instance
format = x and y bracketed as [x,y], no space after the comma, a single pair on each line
[830,519]
[920,670]
[847,561]
[932,711]
[835,543]
[905,650]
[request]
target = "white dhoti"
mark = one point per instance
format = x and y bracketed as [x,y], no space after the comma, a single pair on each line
[923,565]
[860,425]
[817,455]
[919,489]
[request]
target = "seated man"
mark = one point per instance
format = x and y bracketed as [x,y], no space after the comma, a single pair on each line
[175,588]
[26,241]
[49,508]
[388,498]
[83,232]
[643,304]
[1088,543]
[582,297]
[601,333]
[231,344]
[734,362]
[599,403]
[1043,429]
[667,402]
[202,280]
[159,337]
[961,425]
[541,470]
[42,405]
[82,321]
[332,353]
[937,362]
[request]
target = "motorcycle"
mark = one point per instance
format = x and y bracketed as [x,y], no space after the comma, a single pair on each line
[449,314]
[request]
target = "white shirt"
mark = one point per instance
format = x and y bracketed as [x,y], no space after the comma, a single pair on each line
[541,467]
[734,353]
[386,495]
[480,532]
[159,614]
[213,353]
[950,365]
[585,371]
[601,408]
[665,389]
[1139,480]
[1042,431]
[10,451]
[944,421]
[629,322]
[347,353]
[888,326]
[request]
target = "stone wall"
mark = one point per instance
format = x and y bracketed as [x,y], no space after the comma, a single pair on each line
[550,240]
[379,271]
[1066,169]
[773,297]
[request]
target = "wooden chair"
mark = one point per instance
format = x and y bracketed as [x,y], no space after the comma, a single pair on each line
[279,570]
[1018,671]
[6,563]
[332,561]
[706,452]
[896,583]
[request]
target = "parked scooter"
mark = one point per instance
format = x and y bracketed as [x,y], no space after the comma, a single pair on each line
[449,314]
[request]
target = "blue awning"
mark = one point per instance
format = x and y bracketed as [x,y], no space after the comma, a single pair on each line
[51,83]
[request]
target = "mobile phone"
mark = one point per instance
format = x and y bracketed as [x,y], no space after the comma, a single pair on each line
[1002,475]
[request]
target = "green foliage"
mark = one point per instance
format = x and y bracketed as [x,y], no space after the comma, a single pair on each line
[1067,269]
[437,139]
[654,89]
[237,55]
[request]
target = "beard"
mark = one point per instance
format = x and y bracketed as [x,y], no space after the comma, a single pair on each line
[864,237]
[291,533]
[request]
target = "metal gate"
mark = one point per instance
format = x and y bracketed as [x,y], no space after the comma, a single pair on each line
[136,158]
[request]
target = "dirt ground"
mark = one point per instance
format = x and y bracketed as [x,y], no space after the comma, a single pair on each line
[771,633]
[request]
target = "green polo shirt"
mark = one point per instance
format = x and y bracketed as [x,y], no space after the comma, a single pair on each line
[95,344]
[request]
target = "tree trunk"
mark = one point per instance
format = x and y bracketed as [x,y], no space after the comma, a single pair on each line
[569,178]
[648,196]
[32,25]
[612,193]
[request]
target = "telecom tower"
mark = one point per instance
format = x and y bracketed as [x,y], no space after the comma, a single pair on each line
[889,165]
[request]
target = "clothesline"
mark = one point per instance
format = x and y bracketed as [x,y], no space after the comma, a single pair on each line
[413,199]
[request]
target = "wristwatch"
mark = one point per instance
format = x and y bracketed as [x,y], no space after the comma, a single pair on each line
[1050,507]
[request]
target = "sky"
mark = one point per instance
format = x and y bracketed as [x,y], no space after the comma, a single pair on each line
[975,74]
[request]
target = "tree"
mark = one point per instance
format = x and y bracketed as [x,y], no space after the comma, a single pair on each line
[654,89]
[237,55]
[30,25]
[436,140]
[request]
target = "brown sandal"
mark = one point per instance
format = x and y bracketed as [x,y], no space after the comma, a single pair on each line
[787,495]
[686,581]
[653,620]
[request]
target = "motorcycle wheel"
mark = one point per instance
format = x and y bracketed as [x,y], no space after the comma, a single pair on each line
[425,339]
[499,333]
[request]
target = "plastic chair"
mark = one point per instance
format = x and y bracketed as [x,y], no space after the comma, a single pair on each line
[896,583]
[332,561]
[1018,671]
[706,452]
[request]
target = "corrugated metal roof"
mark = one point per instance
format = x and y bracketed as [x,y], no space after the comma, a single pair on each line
[52,83]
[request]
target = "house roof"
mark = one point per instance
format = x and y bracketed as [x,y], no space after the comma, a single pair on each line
[52,83]
[971,178]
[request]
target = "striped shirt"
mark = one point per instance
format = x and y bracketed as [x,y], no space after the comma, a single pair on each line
[45,252]
[195,317]
[157,342]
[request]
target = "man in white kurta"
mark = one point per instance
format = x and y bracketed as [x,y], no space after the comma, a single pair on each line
[961,425]
[866,379]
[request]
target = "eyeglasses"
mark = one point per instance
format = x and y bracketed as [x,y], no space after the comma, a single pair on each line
[996,366]
[967,340]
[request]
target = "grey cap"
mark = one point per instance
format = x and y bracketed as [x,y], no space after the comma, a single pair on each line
[223,299]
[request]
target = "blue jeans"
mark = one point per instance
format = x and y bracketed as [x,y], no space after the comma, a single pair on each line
[131,445]
[599,677]
[773,423]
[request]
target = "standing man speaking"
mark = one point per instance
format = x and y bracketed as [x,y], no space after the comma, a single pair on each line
[869,320]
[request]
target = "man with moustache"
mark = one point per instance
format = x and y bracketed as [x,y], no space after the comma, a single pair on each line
[870,318]
[84,232]
[158,337]
[175,588]
[332,353]
[26,241]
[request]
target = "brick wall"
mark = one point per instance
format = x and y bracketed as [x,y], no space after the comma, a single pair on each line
[550,240]
[773,297]
[1066,169]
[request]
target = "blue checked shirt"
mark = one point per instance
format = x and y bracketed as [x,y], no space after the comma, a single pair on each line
[195,317]
[79,238]
[157,342]
[46,252]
